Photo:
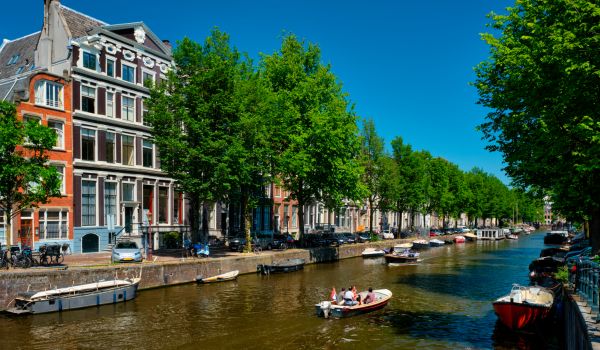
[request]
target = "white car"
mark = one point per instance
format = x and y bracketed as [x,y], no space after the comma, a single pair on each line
[126,252]
[388,235]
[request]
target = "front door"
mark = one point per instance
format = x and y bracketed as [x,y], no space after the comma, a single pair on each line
[128,219]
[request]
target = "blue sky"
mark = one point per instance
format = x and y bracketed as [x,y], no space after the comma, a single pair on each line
[406,64]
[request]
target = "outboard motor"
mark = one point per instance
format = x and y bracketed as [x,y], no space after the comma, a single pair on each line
[325,307]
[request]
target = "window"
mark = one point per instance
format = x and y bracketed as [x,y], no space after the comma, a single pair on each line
[163,205]
[110,104]
[128,150]
[294,216]
[89,60]
[110,199]
[148,201]
[61,171]
[13,59]
[148,79]
[20,70]
[54,224]
[88,203]
[110,147]
[88,144]
[128,73]
[277,191]
[128,192]
[286,216]
[144,112]
[177,201]
[147,154]
[110,67]
[49,94]
[59,129]
[2,228]
[88,99]
[127,111]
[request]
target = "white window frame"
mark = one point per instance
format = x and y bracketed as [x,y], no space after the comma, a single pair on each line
[116,183]
[114,60]
[63,221]
[2,227]
[91,52]
[112,108]
[114,154]
[123,65]
[95,144]
[133,191]
[95,202]
[123,97]
[150,72]
[123,153]
[152,150]
[63,185]
[95,98]
[144,109]
[60,134]
[41,94]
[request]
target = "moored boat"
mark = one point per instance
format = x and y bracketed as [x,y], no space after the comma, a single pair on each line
[372,253]
[459,239]
[436,242]
[524,306]
[420,244]
[512,236]
[75,297]
[556,237]
[405,256]
[402,246]
[328,308]
[471,237]
[228,276]
[288,265]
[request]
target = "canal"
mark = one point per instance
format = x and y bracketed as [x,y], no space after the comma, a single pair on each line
[444,302]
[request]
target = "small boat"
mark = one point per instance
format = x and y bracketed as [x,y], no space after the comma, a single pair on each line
[556,237]
[229,276]
[459,239]
[420,244]
[372,253]
[75,297]
[512,236]
[403,246]
[328,308]
[471,237]
[436,242]
[288,265]
[403,256]
[524,306]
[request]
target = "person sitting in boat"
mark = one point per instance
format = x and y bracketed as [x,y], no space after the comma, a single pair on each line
[349,298]
[356,296]
[370,297]
[340,298]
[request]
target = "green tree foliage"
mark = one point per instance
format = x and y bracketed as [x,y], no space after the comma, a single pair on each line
[26,178]
[373,160]
[316,139]
[542,83]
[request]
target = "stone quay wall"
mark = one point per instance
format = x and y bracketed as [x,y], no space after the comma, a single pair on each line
[161,274]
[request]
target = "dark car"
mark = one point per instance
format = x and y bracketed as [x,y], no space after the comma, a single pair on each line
[283,241]
[331,239]
[350,238]
[314,240]
[237,244]
[364,237]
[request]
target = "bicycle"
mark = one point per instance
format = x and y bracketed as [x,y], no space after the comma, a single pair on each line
[257,249]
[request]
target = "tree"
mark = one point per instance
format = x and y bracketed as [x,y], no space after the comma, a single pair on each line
[541,82]
[316,139]
[26,178]
[372,158]
[192,116]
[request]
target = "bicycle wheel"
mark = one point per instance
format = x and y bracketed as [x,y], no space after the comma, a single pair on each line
[44,260]
[283,246]
[59,258]
[257,250]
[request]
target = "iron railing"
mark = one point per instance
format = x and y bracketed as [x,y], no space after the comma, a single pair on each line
[587,283]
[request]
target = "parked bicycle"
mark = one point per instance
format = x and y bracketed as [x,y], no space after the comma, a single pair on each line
[21,258]
[53,253]
[4,260]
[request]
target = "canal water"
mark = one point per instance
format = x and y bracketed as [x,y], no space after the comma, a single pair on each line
[442,303]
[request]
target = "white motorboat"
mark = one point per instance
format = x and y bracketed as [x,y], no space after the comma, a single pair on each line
[436,242]
[372,253]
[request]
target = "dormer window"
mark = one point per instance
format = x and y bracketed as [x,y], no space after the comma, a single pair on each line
[13,59]
[89,60]
[49,94]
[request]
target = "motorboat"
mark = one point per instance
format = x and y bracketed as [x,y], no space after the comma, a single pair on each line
[512,236]
[436,242]
[329,308]
[420,244]
[524,306]
[402,246]
[471,237]
[372,253]
[228,276]
[288,265]
[459,239]
[556,237]
[404,256]
[75,297]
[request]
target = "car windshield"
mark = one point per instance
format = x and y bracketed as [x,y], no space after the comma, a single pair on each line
[126,245]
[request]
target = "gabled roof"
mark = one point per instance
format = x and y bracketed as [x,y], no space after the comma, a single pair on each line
[152,40]
[78,23]
[22,52]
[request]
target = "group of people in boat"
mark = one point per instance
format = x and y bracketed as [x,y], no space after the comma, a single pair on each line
[350,297]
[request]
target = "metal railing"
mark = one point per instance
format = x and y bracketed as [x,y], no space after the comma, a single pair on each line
[587,283]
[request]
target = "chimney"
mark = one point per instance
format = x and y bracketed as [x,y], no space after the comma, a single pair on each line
[167,43]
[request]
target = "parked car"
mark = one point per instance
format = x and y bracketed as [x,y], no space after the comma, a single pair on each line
[350,237]
[126,251]
[237,244]
[280,239]
[387,234]
[330,239]
[435,233]
[364,237]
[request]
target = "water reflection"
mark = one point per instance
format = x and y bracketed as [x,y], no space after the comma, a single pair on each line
[443,302]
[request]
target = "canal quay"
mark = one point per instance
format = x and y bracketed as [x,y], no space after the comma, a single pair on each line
[444,302]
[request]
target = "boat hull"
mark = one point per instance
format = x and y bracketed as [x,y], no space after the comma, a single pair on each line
[77,301]
[383,296]
[400,259]
[282,267]
[517,316]
[230,276]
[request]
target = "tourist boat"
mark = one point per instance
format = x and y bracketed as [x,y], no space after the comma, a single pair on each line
[556,237]
[524,306]
[328,308]
[436,242]
[404,256]
[471,237]
[229,276]
[459,239]
[372,253]
[288,265]
[75,297]
[420,244]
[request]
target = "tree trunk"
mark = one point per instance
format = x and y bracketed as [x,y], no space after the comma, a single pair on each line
[301,219]
[370,215]
[194,219]
[247,216]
